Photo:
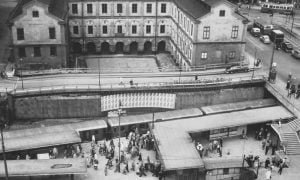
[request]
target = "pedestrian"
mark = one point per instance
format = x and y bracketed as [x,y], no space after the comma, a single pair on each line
[267,147]
[93,138]
[142,171]
[288,84]
[267,163]
[200,149]
[273,148]
[264,141]
[293,89]
[221,141]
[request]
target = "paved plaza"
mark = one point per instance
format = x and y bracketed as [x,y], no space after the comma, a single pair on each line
[122,64]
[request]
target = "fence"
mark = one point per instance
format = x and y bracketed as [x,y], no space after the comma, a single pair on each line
[136,86]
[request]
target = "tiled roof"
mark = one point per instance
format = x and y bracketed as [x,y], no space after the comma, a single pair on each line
[56,7]
[195,8]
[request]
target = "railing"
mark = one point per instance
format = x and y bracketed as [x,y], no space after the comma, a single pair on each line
[115,70]
[136,86]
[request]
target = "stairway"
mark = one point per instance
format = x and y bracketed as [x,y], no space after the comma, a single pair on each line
[295,124]
[293,142]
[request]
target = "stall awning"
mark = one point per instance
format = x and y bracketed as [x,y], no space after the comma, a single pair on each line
[40,141]
[229,107]
[147,118]
[44,167]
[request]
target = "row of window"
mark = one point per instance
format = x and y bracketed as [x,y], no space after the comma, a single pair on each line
[119,8]
[21,36]
[37,51]
[90,29]
[234,32]
[204,55]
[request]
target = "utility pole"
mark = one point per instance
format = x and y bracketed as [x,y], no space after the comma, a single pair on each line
[21,60]
[2,126]
[272,59]
[119,115]
[254,63]
[99,73]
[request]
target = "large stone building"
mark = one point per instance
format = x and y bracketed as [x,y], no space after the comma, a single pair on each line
[39,33]
[196,32]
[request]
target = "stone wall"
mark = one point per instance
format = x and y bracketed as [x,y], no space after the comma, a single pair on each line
[58,106]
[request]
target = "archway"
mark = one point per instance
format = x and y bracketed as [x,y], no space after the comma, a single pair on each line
[148,47]
[119,47]
[133,48]
[105,48]
[161,47]
[77,48]
[91,47]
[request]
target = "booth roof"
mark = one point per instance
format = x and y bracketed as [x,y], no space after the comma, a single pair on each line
[44,167]
[40,141]
[175,144]
[147,118]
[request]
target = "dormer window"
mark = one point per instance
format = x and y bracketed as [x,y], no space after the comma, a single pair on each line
[35,14]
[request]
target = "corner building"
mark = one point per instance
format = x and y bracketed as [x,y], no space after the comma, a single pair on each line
[196,32]
[39,34]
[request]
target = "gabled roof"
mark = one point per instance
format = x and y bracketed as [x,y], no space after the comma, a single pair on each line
[57,8]
[195,8]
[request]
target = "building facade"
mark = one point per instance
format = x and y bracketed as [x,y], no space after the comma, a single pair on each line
[39,34]
[196,32]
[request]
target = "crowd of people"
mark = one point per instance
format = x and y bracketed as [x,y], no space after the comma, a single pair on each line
[214,146]
[131,158]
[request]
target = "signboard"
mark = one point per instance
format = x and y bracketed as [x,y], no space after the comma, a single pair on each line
[138,100]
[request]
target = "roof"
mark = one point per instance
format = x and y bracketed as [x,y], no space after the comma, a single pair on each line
[177,151]
[238,106]
[231,119]
[175,145]
[40,141]
[57,8]
[218,163]
[277,31]
[146,118]
[43,167]
[78,126]
[195,8]
[34,138]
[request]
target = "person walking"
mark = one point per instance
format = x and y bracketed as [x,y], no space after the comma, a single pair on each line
[267,162]
[280,168]
[267,147]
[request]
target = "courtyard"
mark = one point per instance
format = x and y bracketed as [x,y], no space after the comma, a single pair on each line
[130,63]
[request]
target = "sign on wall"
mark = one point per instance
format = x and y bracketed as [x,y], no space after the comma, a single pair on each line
[138,100]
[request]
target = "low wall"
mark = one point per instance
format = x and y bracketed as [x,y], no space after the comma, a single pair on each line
[84,106]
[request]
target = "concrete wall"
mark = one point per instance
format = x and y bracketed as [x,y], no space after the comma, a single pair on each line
[89,106]
[204,98]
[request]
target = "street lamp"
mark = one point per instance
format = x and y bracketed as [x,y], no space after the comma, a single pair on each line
[119,115]
[272,59]
[99,73]
[2,126]
[254,63]
[21,66]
